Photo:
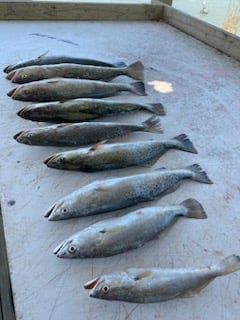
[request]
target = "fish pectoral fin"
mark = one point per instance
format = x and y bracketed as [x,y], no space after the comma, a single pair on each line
[192,293]
[162,168]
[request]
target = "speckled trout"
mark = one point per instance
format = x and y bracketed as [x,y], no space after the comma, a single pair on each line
[78,110]
[117,193]
[108,238]
[103,156]
[45,60]
[62,89]
[76,134]
[146,285]
[70,70]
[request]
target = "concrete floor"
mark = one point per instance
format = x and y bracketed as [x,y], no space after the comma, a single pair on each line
[200,90]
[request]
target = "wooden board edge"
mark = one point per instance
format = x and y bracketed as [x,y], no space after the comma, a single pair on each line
[22,10]
[6,298]
[203,31]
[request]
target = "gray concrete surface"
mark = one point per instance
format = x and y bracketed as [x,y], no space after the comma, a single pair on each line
[200,90]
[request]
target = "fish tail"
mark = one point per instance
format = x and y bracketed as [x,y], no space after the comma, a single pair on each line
[229,264]
[152,124]
[157,108]
[138,88]
[135,71]
[194,209]
[184,143]
[198,174]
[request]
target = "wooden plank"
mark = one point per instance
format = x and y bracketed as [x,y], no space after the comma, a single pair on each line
[6,300]
[22,10]
[207,33]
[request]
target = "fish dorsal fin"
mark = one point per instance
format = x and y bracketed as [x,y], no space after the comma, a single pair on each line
[43,55]
[96,146]
[140,274]
[159,169]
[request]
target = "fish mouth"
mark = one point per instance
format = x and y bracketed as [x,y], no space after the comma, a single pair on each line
[20,113]
[18,135]
[49,161]
[8,68]
[91,284]
[57,250]
[12,91]
[49,212]
[11,75]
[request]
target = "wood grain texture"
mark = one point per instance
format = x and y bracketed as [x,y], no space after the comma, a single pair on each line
[16,10]
[209,34]
[6,301]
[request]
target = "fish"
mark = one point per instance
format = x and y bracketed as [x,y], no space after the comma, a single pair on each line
[112,194]
[108,237]
[70,70]
[75,134]
[83,109]
[62,89]
[46,60]
[147,285]
[102,156]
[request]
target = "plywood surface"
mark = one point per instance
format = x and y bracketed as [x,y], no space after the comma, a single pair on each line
[200,90]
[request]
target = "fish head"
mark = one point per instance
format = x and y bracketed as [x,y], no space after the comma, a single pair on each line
[30,137]
[69,160]
[83,244]
[115,286]
[63,209]
[25,75]
[20,93]
[57,161]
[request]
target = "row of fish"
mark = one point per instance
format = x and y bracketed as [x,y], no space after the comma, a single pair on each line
[76,100]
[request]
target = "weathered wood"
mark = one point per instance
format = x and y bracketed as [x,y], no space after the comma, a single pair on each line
[168,2]
[16,10]
[6,301]
[207,33]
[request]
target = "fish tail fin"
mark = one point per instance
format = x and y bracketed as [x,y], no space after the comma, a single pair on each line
[135,71]
[138,88]
[229,264]
[157,108]
[152,124]
[198,174]
[184,143]
[194,209]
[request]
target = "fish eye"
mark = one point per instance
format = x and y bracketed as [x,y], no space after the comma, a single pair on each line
[105,289]
[72,249]
[24,75]
[64,210]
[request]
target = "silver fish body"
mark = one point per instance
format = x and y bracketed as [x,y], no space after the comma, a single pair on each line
[146,285]
[117,155]
[62,89]
[76,134]
[70,70]
[108,238]
[46,60]
[78,110]
[117,193]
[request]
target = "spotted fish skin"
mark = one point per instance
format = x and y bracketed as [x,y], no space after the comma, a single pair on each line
[77,134]
[108,238]
[84,109]
[62,89]
[117,193]
[147,285]
[118,155]
[46,60]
